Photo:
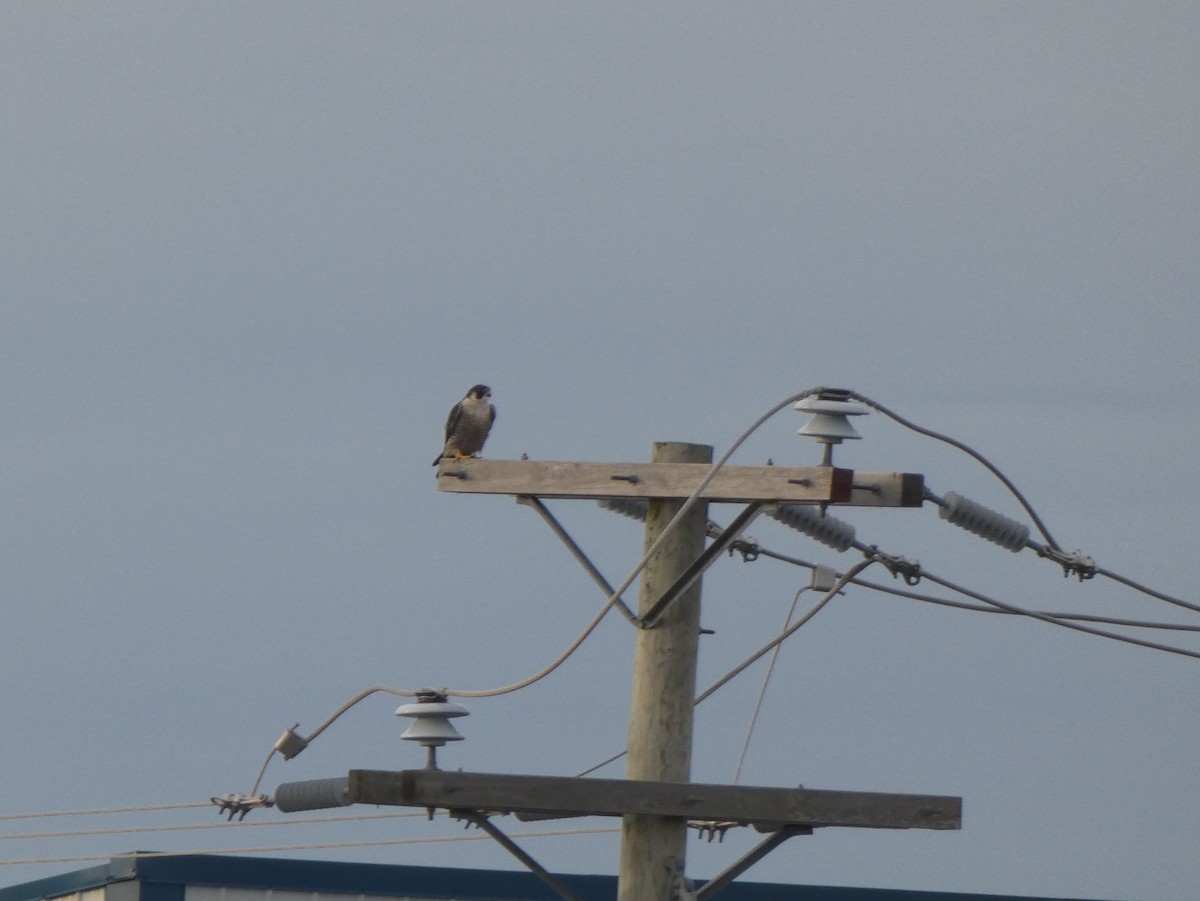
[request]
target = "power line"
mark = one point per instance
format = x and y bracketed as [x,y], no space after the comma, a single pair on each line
[762,694]
[767,648]
[613,599]
[978,608]
[1057,621]
[789,631]
[316,846]
[131,830]
[1137,586]
[969,451]
[103,810]
[1066,621]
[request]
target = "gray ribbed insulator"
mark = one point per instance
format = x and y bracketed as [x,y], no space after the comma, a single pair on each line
[626,506]
[313,794]
[829,530]
[984,522]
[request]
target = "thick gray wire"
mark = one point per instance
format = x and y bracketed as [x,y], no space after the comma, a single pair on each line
[1057,621]
[977,608]
[646,557]
[608,605]
[791,630]
[916,596]
[969,451]
[1137,586]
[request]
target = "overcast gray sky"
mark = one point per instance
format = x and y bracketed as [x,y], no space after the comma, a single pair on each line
[252,253]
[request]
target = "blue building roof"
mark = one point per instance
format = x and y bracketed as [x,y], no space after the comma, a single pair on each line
[165,879]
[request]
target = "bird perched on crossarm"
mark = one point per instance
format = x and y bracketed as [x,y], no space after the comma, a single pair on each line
[468,425]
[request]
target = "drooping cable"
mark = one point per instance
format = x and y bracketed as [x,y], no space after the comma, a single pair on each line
[791,630]
[762,694]
[783,636]
[980,608]
[1057,621]
[612,600]
[1137,586]
[969,451]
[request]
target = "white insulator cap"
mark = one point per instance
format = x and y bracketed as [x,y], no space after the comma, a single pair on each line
[984,522]
[829,423]
[432,727]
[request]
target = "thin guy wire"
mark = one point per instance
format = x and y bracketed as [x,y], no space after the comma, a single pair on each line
[791,630]
[132,830]
[762,694]
[138,855]
[103,810]
[778,640]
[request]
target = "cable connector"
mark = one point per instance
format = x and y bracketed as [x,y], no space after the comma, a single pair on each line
[747,547]
[1076,562]
[909,570]
[712,829]
[239,805]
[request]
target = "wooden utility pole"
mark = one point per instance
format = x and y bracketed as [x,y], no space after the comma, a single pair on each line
[657,799]
[664,686]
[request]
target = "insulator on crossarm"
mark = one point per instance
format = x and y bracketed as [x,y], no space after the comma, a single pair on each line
[829,530]
[313,794]
[632,507]
[984,522]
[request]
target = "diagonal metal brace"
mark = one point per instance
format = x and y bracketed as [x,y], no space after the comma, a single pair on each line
[742,864]
[480,820]
[556,527]
[706,559]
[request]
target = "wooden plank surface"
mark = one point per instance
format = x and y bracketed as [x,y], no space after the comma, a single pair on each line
[567,796]
[564,479]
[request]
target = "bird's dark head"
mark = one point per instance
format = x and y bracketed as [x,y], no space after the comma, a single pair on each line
[480,392]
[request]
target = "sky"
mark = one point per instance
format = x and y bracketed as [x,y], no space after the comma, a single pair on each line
[252,253]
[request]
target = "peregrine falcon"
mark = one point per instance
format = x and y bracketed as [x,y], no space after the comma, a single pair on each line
[468,425]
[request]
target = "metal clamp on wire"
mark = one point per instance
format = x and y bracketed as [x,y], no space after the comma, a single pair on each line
[239,805]
[1076,562]
[710,829]
[747,547]
[909,570]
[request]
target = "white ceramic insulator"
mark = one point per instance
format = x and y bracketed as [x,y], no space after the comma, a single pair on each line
[984,522]
[313,794]
[829,530]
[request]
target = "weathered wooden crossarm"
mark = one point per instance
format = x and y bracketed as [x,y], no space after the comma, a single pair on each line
[568,796]
[732,484]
